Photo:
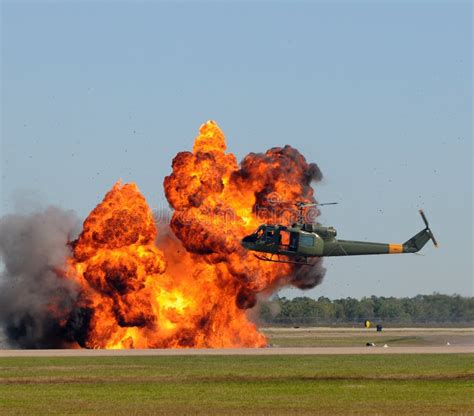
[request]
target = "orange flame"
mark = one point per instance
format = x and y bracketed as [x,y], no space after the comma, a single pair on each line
[193,290]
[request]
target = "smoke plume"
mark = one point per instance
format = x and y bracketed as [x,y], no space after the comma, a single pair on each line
[33,249]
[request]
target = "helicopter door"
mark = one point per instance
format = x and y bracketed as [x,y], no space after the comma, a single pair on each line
[284,240]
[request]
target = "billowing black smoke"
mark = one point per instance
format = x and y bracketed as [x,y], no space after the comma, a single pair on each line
[35,300]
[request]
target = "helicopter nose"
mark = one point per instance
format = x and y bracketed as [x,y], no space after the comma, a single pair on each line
[247,241]
[245,244]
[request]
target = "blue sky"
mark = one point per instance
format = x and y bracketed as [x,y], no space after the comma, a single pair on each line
[379,94]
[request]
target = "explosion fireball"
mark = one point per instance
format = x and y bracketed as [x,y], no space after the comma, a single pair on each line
[129,282]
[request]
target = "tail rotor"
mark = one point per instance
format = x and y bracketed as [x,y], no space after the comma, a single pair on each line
[428,229]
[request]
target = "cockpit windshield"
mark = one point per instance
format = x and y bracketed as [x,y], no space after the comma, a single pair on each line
[257,235]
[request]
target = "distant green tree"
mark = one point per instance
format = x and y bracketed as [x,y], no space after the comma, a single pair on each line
[421,309]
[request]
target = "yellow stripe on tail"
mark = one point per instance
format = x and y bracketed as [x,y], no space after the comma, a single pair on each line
[395,248]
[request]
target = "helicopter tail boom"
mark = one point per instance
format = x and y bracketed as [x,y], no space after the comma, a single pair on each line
[355,248]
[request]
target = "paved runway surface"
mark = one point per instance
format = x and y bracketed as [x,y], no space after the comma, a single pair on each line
[239,351]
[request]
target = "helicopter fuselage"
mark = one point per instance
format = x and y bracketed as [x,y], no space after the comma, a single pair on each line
[312,240]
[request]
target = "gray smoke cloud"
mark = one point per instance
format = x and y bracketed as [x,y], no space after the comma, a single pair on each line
[307,277]
[34,297]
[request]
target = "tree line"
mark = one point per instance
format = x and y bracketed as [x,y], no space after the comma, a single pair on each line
[421,309]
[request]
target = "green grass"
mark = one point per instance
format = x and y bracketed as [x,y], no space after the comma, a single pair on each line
[238,385]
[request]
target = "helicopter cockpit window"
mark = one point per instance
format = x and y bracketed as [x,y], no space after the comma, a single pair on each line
[306,240]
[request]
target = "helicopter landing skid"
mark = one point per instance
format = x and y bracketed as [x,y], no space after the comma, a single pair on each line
[278,260]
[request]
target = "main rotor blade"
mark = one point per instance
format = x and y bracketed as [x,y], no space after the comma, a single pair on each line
[314,204]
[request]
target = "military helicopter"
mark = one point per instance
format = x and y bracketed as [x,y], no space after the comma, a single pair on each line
[296,244]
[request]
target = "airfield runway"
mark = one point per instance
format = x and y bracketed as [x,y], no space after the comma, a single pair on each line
[239,351]
[302,341]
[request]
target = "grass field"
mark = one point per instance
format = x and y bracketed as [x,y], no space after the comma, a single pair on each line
[238,385]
